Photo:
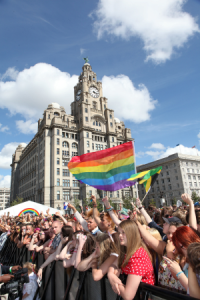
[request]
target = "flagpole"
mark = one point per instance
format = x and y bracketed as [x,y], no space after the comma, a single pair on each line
[136,185]
[146,194]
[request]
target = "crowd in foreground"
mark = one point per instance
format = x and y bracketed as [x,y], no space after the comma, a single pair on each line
[156,246]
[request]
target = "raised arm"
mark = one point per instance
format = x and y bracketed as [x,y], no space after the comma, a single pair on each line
[82,239]
[32,246]
[111,213]
[156,245]
[143,211]
[95,211]
[192,216]
[58,214]
[78,217]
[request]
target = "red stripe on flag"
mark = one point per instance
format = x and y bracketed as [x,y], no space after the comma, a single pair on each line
[103,153]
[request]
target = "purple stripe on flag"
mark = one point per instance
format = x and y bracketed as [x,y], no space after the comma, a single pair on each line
[115,186]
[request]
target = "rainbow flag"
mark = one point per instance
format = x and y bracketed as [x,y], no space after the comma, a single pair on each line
[106,170]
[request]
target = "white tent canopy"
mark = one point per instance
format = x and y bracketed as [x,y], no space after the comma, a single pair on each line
[28,207]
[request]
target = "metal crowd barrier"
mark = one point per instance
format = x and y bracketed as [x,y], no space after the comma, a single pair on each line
[69,284]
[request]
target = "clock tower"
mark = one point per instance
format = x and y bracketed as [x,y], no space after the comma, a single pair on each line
[97,127]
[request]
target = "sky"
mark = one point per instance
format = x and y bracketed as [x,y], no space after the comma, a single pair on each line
[145,52]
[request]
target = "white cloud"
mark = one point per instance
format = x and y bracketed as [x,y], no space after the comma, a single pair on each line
[3,128]
[198,135]
[155,154]
[157,146]
[6,155]
[5,181]
[42,84]
[181,149]
[27,127]
[130,103]
[10,73]
[139,154]
[163,26]
[35,88]
[169,151]
[82,51]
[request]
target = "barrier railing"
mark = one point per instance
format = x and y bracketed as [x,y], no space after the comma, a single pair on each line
[69,284]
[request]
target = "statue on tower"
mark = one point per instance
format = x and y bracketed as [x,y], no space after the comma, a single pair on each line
[86,60]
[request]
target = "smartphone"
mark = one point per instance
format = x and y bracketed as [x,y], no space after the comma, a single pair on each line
[39,282]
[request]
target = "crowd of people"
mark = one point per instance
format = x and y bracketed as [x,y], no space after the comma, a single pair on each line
[158,246]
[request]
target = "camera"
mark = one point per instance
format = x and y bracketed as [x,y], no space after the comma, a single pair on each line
[15,286]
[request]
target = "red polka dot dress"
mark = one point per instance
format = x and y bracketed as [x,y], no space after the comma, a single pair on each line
[140,264]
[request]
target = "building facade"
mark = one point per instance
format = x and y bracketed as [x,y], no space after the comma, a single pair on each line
[40,170]
[4,198]
[180,174]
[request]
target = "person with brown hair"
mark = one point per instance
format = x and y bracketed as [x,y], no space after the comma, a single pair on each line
[104,221]
[193,255]
[134,261]
[89,224]
[102,258]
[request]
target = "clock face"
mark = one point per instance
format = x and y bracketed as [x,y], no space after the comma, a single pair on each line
[94,92]
[78,95]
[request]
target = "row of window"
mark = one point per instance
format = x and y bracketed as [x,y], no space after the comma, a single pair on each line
[192,171]
[65,172]
[192,184]
[69,135]
[191,164]
[194,177]
[66,182]
[65,144]
[66,160]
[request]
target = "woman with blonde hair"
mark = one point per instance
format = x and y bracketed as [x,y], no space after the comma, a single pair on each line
[30,288]
[134,261]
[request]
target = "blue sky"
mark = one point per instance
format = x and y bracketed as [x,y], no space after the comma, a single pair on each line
[146,52]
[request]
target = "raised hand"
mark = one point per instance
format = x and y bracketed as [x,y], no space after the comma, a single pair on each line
[138,202]
[106,202]
[93,198]
[186,198]
[58,214]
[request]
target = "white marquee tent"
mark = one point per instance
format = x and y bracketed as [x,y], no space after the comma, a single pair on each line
[28,207]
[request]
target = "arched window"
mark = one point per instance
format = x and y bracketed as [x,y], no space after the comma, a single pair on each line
[74,146]
[56,114]
[65,144]
[94,104]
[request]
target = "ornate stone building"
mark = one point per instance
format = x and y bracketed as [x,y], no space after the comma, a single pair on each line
[180,174]
[39,170]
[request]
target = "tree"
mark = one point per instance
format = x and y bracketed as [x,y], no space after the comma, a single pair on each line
[77,205]
[18,200]
[173,200]
[194,197]
[152,202]
[127,202]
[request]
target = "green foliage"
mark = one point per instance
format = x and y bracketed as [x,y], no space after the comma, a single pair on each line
[127,202]
[174,200]
[18,200]
[152,202]
[87,202]
[77,205]
[194,197]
